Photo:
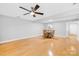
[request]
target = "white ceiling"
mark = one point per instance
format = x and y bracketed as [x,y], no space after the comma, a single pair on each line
[52,11]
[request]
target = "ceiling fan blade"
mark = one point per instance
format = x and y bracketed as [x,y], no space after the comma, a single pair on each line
[34,15]
[36,7]
[24,8]
[39,13]
[26,13]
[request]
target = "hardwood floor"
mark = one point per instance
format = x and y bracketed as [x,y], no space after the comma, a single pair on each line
[39,46]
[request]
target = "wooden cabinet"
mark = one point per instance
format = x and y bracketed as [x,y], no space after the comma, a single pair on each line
[48,33]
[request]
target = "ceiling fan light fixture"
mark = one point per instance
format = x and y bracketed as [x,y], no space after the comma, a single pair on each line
[32,13]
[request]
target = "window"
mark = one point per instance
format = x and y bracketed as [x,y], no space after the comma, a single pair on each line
[73,27]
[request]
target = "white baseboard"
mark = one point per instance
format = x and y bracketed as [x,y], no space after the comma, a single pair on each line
[18,39]
[60,35]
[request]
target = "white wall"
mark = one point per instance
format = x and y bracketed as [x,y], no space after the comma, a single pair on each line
[59,27]
[14,28]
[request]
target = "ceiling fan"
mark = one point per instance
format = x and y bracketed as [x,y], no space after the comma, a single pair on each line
[33,10]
